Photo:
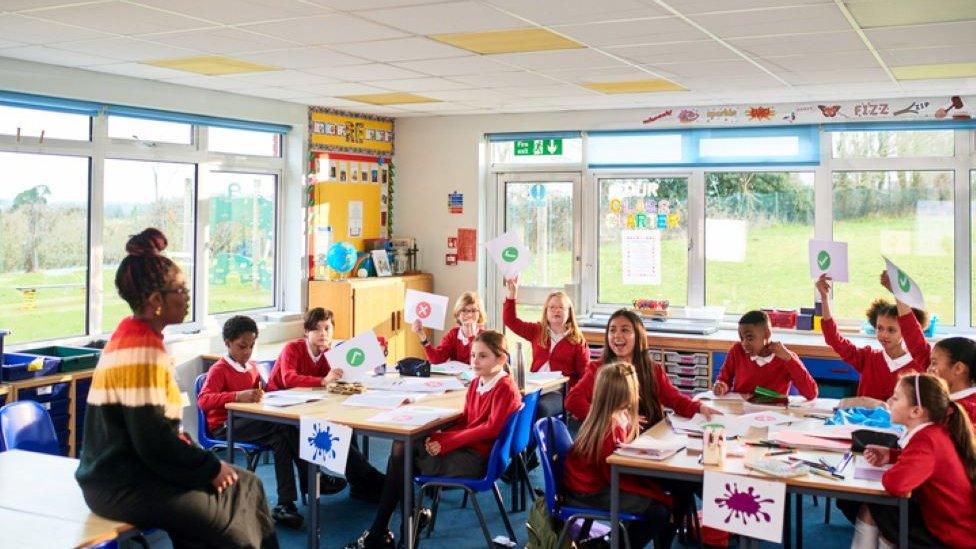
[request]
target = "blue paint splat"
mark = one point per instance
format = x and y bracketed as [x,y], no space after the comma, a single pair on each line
[323,442]
[744,505]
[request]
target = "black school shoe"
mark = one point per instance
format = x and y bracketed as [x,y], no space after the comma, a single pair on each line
[373,541]
[286,514]
[329,484]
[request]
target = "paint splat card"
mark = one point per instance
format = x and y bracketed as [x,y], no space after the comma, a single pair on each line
[743,505]
[325,443]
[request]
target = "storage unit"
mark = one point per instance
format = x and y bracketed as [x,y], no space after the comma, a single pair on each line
[363,304]
[688,370]
[18,366]
[64,396]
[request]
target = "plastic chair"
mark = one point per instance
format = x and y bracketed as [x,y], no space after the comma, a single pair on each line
[251,450]
[520,441]
[26,425]
[264,369]
[554,444]
[498,460]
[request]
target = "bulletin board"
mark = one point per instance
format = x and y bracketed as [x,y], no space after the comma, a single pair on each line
[332,201]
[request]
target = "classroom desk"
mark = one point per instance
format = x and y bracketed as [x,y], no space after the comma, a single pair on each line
[684,467]
[332,409]
[41,504]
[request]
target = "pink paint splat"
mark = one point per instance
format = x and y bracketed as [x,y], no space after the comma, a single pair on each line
[743,505]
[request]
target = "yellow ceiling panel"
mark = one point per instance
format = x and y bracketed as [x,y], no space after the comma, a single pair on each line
[508,41]
[944,70]
[394,98]
[892,13]
[211,65]
[634,86]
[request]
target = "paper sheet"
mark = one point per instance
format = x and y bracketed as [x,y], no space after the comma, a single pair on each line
[431,309]
[828,257]
[905,289]
[509,253]
[387,400]
[434,385]
[412,415]
[325,443]
[452,367]
[743,505]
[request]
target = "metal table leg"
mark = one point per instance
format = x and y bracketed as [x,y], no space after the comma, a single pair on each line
[614,507]
[407,504]
[230,436]
[313,505]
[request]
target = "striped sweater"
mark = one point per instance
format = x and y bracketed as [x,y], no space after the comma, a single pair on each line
[133,418]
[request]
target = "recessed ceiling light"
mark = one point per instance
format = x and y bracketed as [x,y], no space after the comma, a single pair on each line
[211,65]
[508,41]
[395,98]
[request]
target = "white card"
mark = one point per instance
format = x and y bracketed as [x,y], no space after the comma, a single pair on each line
[829,257]
[508,252]
[431,309]
[904,288]
[357,357]
[743,505]
[324,443]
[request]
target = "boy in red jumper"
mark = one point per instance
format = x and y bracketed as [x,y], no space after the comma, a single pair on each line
[879,368]
[302,363]
[459,451]
[758,362]
[235,378]
[455,343]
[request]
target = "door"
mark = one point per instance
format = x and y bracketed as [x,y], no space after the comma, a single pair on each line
[544,210]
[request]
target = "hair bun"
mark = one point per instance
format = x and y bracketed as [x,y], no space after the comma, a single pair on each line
[149,242]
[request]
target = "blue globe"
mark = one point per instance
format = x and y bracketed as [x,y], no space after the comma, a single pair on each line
[341,257]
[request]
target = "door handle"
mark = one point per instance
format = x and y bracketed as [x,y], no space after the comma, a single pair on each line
[393,321]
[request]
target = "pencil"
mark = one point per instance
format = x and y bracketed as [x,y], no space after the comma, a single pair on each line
[780,452]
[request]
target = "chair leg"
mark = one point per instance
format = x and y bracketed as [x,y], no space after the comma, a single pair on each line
[433,510]
[826,510]
[527,480]
[623,526]
[366,447]
[695,523]
[562,533]
[252,461]
[416,516]
[464,500]
[481,517]
[501,509]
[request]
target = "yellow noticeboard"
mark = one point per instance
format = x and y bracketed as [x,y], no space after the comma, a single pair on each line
[335,201]
[341,131]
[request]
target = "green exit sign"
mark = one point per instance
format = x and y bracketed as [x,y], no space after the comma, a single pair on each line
[539,147]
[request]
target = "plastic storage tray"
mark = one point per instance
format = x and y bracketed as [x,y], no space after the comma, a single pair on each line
[686,358]
[47,393]
[681,370]
[689,382]
[18,366]
[72,358]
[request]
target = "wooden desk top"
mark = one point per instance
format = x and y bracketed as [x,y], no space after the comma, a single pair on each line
[357,417]
[40,491]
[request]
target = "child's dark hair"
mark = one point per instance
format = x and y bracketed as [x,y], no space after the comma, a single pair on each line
[934,394]
[496,343]
[143,271]
[882,307]
[754,318]
[961,349]
[314,316]
[236,326]
[649,405]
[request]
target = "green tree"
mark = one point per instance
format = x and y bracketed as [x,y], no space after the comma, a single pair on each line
[34,203]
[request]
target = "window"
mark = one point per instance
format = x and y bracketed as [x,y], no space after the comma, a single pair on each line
[544,150]
[904,215]
[893,144]
[538,211]
[757,225]
[139,129]
[54,125]
[43,245]
[645,204]
[245,142]
[241,260]
[139,195]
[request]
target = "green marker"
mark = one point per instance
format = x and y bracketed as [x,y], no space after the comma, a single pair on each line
[904,282]
[510,254]
[823,259]
[355,357]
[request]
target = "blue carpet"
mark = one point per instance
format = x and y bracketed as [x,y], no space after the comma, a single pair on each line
[343,519]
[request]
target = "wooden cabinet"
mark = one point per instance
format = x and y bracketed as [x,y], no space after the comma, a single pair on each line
[362,304]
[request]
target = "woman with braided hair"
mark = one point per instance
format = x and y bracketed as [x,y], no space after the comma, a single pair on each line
[136,465]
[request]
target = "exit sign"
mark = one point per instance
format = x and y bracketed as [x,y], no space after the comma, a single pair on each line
[539,147]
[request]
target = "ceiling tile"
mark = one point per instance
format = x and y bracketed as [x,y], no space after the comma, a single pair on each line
[324,101]
[42,54]
[597,75]
[467,95]
[733,68]
[872,13]
[403,49]
[938,34]
[366,73]
[720,85]
[358,5]
[284,78]
[211,82]
[835,76]
[926,56]
[687,7]
[456,66]
[340,88]
[302,58]
[20,5]
[431,83]
[126,49]
[775,21]
[37,31]
[658,30]
[558,90]
[273,92]
[703,50]
[841,61]
[235,12]
[467,16]
[120,18]
[222,41]
[139,70]
[502,79]
[329,29]
[557,12]
[4,43]
[566,59]
[826,42]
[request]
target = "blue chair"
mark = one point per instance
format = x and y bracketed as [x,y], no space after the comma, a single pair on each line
[264,369]
[520,441]
[251,451]
[26,425]
[498,460]
[554,444]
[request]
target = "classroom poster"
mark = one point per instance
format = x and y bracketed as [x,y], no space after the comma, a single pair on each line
[357,357]
[324,443]
[509,253]
[743,505]
[905,289]
[467,244]
[828,257]
[355,218]
[430,309]
[641,256]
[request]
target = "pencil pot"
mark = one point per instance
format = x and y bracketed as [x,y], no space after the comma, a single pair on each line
[713,444]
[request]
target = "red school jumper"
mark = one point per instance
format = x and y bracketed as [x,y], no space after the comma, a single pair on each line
[743,374]
[483,418]
[450,348]
[295,368]
[579,399]
[567,357]
[221,387]
[968,404]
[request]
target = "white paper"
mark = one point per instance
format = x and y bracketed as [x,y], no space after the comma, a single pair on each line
[539,378]
[765,419]
[386,400]
[355,218]
[640,252]
[734,425]
[431,309]
[324,443]
[509,253]
[357,357]
[828,257]
[710,395]
[726,240]
[904,288]
[412,415]
[743,505]
[432,385]
[280,399]
[451,367]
